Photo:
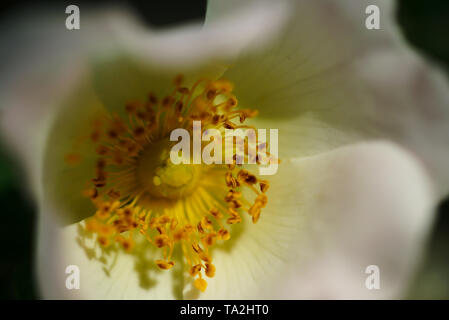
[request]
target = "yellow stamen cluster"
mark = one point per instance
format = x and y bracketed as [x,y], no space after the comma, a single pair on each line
[196,220]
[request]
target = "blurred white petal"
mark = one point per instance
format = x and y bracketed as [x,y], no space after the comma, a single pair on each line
[43,67]
[408,104]
[105,275]
[355,206]
[329,81]
[188,47]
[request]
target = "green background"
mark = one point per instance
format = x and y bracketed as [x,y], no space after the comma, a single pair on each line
[426,26]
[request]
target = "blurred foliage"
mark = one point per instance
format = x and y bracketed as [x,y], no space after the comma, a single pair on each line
[17,235]
[426,26]
[432,278]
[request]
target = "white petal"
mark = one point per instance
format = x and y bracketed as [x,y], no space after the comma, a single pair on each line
[43,67]
[103,274]
[62,184]
[192,46]
[330,81]
[328,217]
[302,69]
[121,78]
[145,60]
[408,104]
[305,80]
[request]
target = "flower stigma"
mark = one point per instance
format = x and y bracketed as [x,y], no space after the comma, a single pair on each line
[138,191]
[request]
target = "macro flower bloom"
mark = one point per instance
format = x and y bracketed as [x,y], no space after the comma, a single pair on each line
[362,148]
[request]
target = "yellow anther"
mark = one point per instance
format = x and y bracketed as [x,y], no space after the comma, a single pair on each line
[103,241]
[173,224]
[164,219]
[256,216]
[179,235]
[91,224]
[154,223]
[200,227]
[104,211]
[255,211]
[234,220]
[232,195]
[128,244]
[247,113]
[222,86]
[210,270]
[211,94]
[216,213]
[205,257]
[233,212]
[161,240]
[196,247]
[264,185]
[161,229]
[224,234]
[236,204]
[200,284]
[209,239]
[245,176]
[164,265]
[229,125]
[189,229]
[242,175]
[194,270]
[230,104]
[262,200]
[125,213]
[206,223]
[230,180]
[254,208]
[105,229]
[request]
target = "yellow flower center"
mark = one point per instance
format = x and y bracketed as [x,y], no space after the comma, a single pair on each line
[138,190]
[163,179]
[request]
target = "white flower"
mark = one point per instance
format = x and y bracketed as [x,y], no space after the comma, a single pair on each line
[362,137]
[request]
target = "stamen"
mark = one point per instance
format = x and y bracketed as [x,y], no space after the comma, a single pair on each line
[137,191]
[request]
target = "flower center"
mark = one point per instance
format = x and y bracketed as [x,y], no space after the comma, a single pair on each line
[138,191]
[163,179]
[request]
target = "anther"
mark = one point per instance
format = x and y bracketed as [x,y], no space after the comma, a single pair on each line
[164,265]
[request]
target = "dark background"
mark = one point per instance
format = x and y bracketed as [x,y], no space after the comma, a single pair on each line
[426,26]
